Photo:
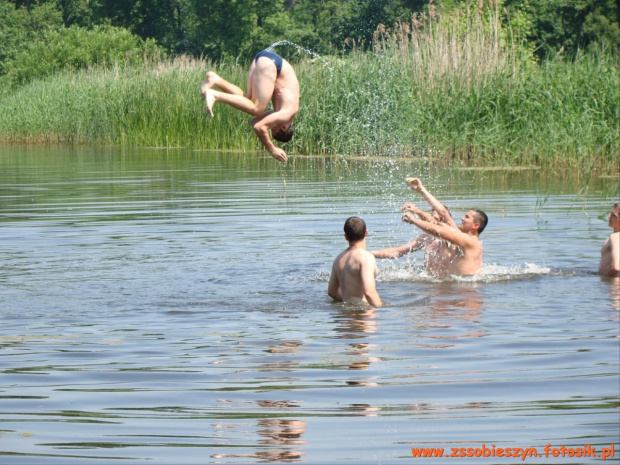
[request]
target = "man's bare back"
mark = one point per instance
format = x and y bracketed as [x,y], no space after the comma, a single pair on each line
[354,271]
[438,257]
[349,267]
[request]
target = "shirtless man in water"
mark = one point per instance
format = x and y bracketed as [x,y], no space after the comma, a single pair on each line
[466,259]
[610,252]
[271,78]
[354,272]
[437,251]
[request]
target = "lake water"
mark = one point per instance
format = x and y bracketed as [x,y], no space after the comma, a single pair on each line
[169,306]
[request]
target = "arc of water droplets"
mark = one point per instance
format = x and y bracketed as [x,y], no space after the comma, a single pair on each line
[301,49]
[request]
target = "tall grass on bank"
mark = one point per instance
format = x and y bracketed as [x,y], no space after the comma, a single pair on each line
[457,88]
[155,105]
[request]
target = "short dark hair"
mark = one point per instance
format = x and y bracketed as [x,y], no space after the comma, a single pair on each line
[481,218]
[283,136]
[355,229]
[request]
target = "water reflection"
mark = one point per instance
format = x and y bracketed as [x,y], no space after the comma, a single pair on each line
[355,323]
[278,439]
[465,304]
[451,311]
[281,441]
[361,352]
[614,287]
[365,410]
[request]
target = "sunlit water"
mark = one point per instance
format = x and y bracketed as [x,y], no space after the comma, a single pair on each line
[170,307]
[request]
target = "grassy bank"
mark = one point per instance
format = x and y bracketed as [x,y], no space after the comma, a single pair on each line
[457,91]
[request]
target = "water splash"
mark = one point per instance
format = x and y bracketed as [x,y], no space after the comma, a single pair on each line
[412,270]
[301,49]
[490,273]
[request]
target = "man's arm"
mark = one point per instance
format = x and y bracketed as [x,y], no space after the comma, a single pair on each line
[396,252]
[262,125]
[333,288]
[444,231]
[410,207]
[368,273]
[444,214]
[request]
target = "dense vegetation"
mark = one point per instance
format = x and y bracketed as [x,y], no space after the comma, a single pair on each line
[512,81]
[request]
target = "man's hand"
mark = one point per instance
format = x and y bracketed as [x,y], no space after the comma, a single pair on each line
[408,217]
[278,154]
[410,207]
[261,127]
[414,184]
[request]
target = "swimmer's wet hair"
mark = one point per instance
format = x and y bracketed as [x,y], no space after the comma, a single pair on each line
[355,229]
[283,136]
[482,219]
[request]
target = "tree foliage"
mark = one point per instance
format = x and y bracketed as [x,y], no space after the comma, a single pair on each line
[78,48]
[236,29]
[20,26]
[568,25]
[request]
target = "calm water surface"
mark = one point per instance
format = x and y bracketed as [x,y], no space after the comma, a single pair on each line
[170,307]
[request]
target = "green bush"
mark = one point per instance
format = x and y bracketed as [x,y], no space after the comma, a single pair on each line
[20,26]
[79,48]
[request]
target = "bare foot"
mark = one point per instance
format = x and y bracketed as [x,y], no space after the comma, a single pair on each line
[210,101]
[208,83]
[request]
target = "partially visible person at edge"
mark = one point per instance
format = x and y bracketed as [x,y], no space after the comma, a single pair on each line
[354,271]
[271,78]
[610,252]
[437,251]
[466,258]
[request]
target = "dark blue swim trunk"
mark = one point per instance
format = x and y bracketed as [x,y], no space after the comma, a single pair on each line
[277,59]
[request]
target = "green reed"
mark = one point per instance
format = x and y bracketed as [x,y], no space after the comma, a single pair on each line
[452,90]
[155,105]
[461,89]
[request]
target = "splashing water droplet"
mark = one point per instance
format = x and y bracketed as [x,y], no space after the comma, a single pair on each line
[301,49]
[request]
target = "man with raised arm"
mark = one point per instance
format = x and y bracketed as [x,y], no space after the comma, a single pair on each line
[610,252]
[354,271]
[271,78]
[437,252]
[442,213]
[466,259]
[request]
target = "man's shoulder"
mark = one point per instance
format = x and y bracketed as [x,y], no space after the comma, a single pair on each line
[368,257]
[613,239]
[340,255]
[361,255]
[614,236]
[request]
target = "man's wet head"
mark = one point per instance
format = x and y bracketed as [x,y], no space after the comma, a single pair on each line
[283,133]
[355,229]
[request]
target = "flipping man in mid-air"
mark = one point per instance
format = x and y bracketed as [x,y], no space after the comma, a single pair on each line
[271,78]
